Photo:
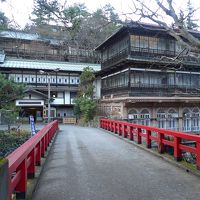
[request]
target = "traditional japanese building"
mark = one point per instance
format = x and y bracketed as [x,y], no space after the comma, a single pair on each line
[33,60]
[148,78]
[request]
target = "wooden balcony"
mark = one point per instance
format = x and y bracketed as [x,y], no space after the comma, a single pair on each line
[146,55]
[151,90]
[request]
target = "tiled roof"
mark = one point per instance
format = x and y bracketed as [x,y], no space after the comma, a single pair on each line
[28,36]
[47,65]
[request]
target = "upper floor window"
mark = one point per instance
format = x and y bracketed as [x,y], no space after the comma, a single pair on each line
[135,40]
[144,42]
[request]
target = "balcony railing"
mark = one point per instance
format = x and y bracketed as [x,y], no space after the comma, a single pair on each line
[142,89]
[146,54]
[44,54]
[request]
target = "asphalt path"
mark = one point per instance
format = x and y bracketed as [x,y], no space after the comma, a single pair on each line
[90,164]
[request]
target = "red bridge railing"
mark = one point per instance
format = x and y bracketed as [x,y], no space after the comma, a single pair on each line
[22,162]
[163,137]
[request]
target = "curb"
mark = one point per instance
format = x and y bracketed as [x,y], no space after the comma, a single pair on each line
[161,156]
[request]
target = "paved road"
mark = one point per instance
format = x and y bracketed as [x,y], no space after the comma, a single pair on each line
[90,164]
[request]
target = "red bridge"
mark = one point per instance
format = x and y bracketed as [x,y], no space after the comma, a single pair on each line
[88,163]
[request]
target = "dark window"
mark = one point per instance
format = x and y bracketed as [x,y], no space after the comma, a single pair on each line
[32,79]
[59,80]
[29,96]
[26,79]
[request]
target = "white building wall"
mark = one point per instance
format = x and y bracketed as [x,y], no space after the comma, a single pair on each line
[33,96]
[58,101]
[67,97]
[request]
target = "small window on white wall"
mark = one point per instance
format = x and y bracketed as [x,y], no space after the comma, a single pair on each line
[18,79]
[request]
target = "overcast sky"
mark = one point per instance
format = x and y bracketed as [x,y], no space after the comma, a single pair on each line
[19,10]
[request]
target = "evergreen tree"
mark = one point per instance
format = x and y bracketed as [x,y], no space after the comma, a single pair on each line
[4,21]
[190,21]
[85,105]
[9,92]
[81,28]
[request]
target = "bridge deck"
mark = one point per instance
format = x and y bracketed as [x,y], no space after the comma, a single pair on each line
[90,164]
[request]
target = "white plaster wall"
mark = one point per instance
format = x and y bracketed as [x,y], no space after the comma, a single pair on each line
[33,96]
[67,97]
[58,101]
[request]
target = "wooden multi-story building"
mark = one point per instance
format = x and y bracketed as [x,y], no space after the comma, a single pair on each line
[147,78]
[24,56]
[36,46]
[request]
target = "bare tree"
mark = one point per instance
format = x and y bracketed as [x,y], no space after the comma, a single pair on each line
[165,12]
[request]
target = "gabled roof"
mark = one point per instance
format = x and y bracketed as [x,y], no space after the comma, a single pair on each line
[131,26]
[31,90]
[47,65]
[144,27]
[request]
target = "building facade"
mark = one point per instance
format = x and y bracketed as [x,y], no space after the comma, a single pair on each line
[148,78]
[35,62]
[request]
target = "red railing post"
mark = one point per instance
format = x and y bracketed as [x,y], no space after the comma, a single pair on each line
[115,127]
[177,150]
[120,129]
[125,131]
[198,155]
[21,186]
[148,139]
[46,141]
[139,138]
[131,133]
[38,154]
[43,146]
[111,126]
[31,167]
[160,143]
